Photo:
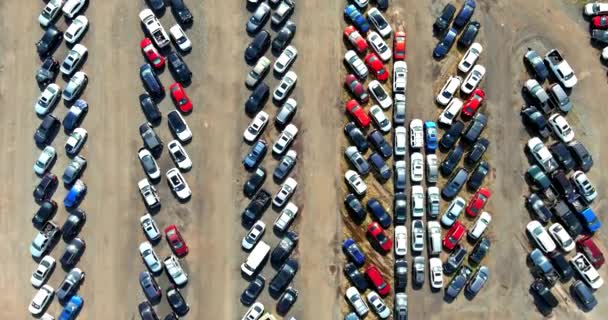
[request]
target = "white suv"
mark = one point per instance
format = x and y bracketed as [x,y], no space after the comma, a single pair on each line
[481,224]
[73,59]
[450,112]
[416,134]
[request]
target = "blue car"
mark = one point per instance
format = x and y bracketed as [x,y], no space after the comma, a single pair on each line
[258,150]
[430,128]
[75,115]
[591,222]
[72,308]
[444,46]
[353,252]
[357,18]
[75,195]
[465,14]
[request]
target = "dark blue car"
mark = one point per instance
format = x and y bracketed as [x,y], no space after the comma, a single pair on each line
[258,150]
[356,17]
[75,195]
[464,15]
[75,115]
[379,213]
[353,252]
[72,308]
[430,128]
[444,46]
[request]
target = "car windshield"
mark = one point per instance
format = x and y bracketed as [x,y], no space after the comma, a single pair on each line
[379,92]
[380,21]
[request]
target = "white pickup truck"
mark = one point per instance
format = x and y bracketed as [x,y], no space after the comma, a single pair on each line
[43,239]
[560,68]
[155,29]
[587,271]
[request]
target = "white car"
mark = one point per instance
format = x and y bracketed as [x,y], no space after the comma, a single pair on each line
[417,201]
[285,86]
[379,22]
[541,236]
[434,238]
[586,271]
[180,37]
[285,60]
[542,154]
[148,163]
[470,57]
[285,139]
[254,235]
[254,312]
[175,270]
[287,189]
[400,241]
[417,166]
[584,186]
[47,99]
[378,305]
[380,94]
[149,256]
[417,235]
[47,316]
[432,168]
[380,119]
[76,141]
[450,112]
[354,297]
[453,211]
[43,297]
[149,193]
[400,141]
[73,59]
[561,236]
[473,79]
[480,225]
[436,272]
[433,203]
[379,46]
[256,127]
[399,77]
[43,271]
[356,64]
[596,8]
[150,227]
[76,29]
[561,128]
[179,156]
[355,182]
[449,90]
[45,159]
[178,184]
[159,35]
[75,86]
[416,134]
[258,72]
[50,12]
[288,214]
[71,7]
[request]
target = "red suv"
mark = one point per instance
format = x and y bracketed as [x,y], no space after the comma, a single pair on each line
[176,242]
[151,53]
[180,98]
[478,201]
[591,251]
[473,102]
[375,64]
[357,112]
[375,231]
[375,277]
[452,238]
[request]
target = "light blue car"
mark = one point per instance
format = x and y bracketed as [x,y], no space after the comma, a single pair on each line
[430,129]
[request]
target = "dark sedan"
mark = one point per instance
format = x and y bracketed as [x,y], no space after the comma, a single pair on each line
[256,100]
[287,300]
[150,109]
[46,212]
[257,47]
[355,208]
[177,302]
[179,69]
[451,135]
[283,277]
[46,187]
[377,141]
[73,224]
[47,130]
[356,136]
[74,170]
[73,251]
[255,181]
[284,248]
[181,12]
[379,213]
[50,40]
[458,283]
[444,46]
[284,36]
[355,276]
[150,287]
[253,290]
[151,81]
[469,34]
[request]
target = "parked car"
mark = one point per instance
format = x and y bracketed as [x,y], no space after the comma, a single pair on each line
[469,34]
[433,201]
[400,241]
[358,114]
[417,201]
[478,202]
[595,8]
[283,277]
[399,45]
[283,11]
[562,266]
[581,155]
[586,271]
[477,151]
[458,282]
[544,293]
[417,235]
[379,46]
[443,47]
[378,142]
[451,135]
[417,167]
[72,308]
[284,37]
[464,14]
[43,271]
[151,81]
[41,300]
[175,271]
[176,242]
[284,194]
[258,18]
[258,72]
[418,273]
[146,251]
[47,72]
[473,79]
[72,254]
[46,131]
[257,47]
[356,64]
[560,68]
[180,98]
[455,183]
[177,302]
[48,99]
[567,218]
[284,248]
[400,275]
[357,18]
[534,120]
[379,22]
[256,207]
[287,300]
[400,208]
[562,155]
[150,227]
[45,188]
[451,160]
[378,305]
[178,184]
[50,12]
[536,63]
[354,298]
[379,236]
[357,160]
[74,59]
[381,169]
[559,98]
[285,139]
[71,8]
[75,114]
[399,109]
[255,155]
[542,155]
[286,217]
[399,77]
[253,290]
[355,182]
[448,90]
[473,103]
[380,94]
[454,235]
[480,225]
[480,251]
[46,158]
[539,209]
[443,21]
[355,39]
[180,38]
[285,87]
[540,236]
[561,128]
[356,88]
[587,246]
[50,40]
[478,176]
[450,112]
[470,57]
[455,260]
[430,136]
[584,294]
[75,86]
[70,284]
[478,280]
[76,29]
[73,224]
[75,195]
[375,277]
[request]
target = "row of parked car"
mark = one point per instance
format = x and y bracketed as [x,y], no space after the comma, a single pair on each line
[597,13]
[258,250]
[49,232]
[555,195]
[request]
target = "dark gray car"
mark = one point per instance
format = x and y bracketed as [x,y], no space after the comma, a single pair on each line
[70,284]
[253,290]
[381,169]
[478,280]
[73,252]
[475,128]
[455,183]
[536,63]
[284,167]
[74,170]
[150,287]
[73,224]
[458,282]
[258,18]
[455,260]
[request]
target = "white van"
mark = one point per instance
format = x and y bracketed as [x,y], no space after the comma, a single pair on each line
[255,258]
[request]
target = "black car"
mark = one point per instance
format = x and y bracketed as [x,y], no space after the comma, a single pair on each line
[354,207]
[50,40]
[458,282]
[150,108]
[283,37]
[376,139]
[284,248]
[256,100]
[156,4]
[151,140]
[475,128]
[181,12]
[567,218]
[465,14]
[382,4]
[480,250]
[538,208]
[287,300]
[536,63]
[478,176]
[177,124]
[563,185]
[355,276]
[563,268]
[469,34]
[581,155]
[381,170]
[255,181]
[285,165]
[451,161]
[179,69]
[584,294]
[455,183]
[379,213]
[45,212]
[177,302]
[146,312]
[171,316]
[538,178]
[253,290]
[534,120]
[283,277]
[455,259]
[400,275]
[256,207]
[151,81]
[562,155]
[400,208]
[73,252]
[46,187]
[451,135]
[150,287]
[73,224]
[257,47]
[356,137]
[47,72]
[46,130]
[443,21]
[477,151]
[540,288]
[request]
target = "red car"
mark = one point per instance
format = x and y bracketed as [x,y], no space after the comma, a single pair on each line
[355,39]
[375,231]
[399,45]
[600,22]
[473,102]
[356,88]
[375,277]
[454,235]
[357,112]
[151,53]
[591,251]
[180,98]
[478,201]
[176,242]
[376,66]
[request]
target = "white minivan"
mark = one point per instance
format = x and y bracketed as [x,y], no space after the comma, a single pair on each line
[255,258]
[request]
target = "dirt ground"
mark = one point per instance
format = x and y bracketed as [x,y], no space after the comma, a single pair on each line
[210,220]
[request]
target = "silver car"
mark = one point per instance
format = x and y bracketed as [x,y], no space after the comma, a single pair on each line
[75,86]
[70,284]
[478,280]
[559,98]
